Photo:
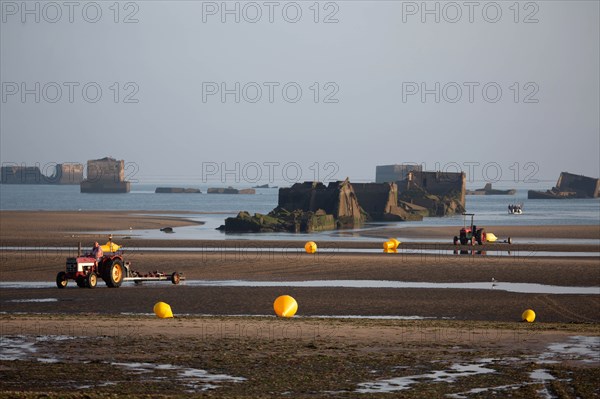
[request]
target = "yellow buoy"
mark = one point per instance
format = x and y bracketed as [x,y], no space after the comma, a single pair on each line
[389,247]
[528,316]
[285,306]
[310,247]
[396,242]
[163,310]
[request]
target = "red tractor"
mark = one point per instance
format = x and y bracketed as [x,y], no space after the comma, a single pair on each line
[111,268]
[85,271]
[470,234]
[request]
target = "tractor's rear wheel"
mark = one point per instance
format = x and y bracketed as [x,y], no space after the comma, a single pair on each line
[455,240]
[91,280]
[175,278]
[114,274]
[61,280]
[81,283]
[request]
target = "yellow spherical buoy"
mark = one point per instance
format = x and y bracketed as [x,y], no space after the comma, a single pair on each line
[163,310]
[310,247]
[528,316]
[396,242]
[285,306]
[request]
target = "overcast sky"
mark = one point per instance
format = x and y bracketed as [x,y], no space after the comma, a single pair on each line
[491,88]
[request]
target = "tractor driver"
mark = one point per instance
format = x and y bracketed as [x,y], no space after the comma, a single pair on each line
[97,252]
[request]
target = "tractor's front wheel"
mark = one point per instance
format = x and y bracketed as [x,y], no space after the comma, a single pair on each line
[61,280]
[91,280]
[114,274]
[175,278]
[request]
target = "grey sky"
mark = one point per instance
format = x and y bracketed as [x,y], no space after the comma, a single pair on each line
[370,59]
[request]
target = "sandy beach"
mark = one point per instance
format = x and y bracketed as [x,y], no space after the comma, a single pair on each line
[266,357]
[61,228]
[356,350]
[285,261]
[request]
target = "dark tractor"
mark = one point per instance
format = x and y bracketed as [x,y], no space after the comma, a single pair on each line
[470,234]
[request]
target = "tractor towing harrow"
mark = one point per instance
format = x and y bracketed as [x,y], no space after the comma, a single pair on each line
[111,267]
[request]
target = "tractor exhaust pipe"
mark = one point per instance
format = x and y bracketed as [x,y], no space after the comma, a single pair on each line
[79,249]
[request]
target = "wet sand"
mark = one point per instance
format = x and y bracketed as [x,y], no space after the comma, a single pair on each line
[455,304]
[44,224]
[287,265]
[60,229]
[303,356]
[250,357]
[16,225]
[285,261]
[566,231]
[24,223]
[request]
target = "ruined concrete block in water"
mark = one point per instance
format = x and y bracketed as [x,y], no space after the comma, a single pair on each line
[176,190]
[106,175]
[569,185]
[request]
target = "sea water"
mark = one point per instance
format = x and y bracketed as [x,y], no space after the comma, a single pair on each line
[489,210]
[141,197]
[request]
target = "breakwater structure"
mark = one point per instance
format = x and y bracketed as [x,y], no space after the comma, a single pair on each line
[304,207]
[230,190]
[314,206]
[428,193]
[488,190]
[380,202]
[177,190]
[569,185]
[437,193]
[105,175]
[62,173]
[395,173]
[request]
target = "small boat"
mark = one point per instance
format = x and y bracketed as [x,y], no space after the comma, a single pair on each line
[515,209]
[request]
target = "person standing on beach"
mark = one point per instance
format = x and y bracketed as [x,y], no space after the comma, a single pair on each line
[97,252]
